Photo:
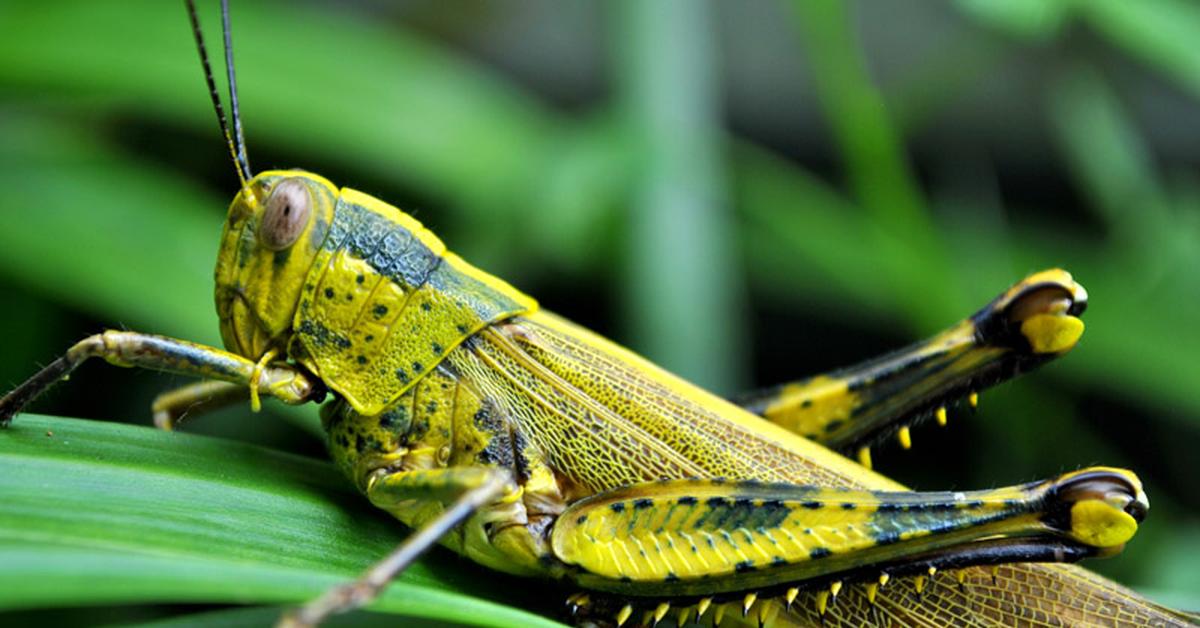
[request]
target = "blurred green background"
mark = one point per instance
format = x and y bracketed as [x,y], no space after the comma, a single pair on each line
[745,192]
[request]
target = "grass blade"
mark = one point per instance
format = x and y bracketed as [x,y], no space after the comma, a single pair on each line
[101,513]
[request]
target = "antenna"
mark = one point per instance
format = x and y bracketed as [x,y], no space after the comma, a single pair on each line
[236,150]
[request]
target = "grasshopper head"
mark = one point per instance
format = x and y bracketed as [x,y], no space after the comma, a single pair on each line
[275,227]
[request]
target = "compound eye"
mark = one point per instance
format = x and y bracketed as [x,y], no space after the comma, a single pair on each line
[288,209]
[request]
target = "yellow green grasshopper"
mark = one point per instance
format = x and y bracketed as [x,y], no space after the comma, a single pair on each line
[535,447]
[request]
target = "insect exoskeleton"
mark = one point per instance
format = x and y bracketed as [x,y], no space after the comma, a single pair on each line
[536,447]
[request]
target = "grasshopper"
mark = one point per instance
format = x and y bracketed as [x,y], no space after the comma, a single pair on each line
[535,447]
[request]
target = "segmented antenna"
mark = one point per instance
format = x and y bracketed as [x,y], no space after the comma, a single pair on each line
[237,147]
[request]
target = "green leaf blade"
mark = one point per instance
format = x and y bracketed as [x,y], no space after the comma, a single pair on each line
[101,513]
